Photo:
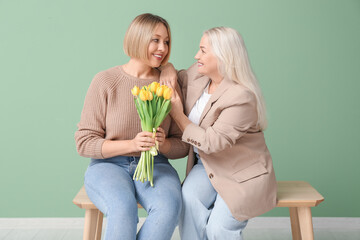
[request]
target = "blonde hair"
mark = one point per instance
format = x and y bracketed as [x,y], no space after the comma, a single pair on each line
[139,34]
[233,62]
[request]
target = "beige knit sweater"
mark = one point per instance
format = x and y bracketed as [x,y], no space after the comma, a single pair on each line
[109,113]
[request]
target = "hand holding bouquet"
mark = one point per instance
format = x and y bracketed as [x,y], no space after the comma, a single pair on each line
[153,104]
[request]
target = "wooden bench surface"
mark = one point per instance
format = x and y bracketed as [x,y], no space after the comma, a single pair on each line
[289,194]
[297,194]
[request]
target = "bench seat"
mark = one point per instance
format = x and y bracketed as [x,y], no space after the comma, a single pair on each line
[298,196]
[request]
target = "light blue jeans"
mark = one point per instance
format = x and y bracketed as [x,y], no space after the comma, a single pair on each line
[205,215]
[109,185]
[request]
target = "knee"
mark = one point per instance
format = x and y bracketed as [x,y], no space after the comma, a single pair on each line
[214,230]
[192,197]
[122,206]
[189,193]
[171,205]
[168,208]
[219,228]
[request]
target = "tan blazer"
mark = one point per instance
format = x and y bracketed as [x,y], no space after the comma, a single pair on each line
[231,146]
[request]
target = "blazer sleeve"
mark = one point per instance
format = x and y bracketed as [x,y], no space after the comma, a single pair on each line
[90,135]
[237,116]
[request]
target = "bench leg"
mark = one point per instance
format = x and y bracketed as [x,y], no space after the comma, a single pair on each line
[295,226]
[93,224]
[305,220]
[301,223]
[99,226]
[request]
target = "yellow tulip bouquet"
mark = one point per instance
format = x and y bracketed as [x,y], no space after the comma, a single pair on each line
[153,104]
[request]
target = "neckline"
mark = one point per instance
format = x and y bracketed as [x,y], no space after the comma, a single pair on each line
[206,89]
[121,69]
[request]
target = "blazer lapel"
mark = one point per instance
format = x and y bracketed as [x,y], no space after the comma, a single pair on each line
[195,89]
[224,85]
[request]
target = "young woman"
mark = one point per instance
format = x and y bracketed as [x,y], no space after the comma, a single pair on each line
[110,134]
[230,175]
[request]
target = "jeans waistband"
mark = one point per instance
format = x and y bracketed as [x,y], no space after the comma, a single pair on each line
[119,160]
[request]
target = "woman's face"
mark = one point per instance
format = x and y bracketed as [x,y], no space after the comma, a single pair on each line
[159,46]
[207,62]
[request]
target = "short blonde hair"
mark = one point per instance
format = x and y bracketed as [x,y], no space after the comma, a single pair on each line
[233,62]
[139,34]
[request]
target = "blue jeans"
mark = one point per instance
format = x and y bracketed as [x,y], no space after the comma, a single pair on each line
[110,186]
[205,215]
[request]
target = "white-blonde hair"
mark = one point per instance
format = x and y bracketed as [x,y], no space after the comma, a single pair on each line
[233,62]
[139,34]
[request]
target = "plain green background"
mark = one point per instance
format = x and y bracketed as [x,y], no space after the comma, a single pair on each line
[306,55]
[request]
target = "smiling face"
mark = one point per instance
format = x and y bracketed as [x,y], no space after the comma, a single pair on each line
[158,46]
[207,61]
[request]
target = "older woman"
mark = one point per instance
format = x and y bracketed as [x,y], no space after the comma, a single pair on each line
[110,134]
[230,175]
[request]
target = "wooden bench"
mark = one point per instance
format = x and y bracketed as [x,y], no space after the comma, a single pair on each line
[298,196]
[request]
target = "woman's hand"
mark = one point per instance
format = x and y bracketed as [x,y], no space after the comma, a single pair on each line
[168,75]
[142,142]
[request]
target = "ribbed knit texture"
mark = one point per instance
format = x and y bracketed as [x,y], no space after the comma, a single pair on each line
[109,113]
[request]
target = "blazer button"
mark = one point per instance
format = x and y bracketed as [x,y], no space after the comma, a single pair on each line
[211,175]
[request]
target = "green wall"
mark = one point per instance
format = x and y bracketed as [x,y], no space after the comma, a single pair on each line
[306,55]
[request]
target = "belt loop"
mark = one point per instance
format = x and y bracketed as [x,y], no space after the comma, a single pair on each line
[135,159]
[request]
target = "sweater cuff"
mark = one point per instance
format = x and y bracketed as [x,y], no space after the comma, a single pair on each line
[178,149]
[98,149]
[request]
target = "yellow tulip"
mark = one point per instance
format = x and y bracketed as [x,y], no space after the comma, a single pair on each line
[167,93]
[154,86]
[135,91]
[160,91]
[143,95]
[149,96]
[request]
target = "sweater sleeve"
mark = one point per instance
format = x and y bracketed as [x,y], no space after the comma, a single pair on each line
[90,135]
[178,149]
